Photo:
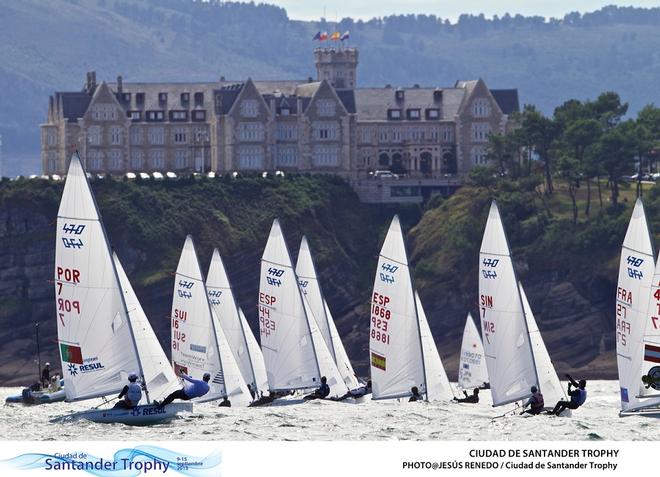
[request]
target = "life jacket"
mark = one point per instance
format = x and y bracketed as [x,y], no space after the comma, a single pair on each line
[537,400]
[582,397]
[134,393]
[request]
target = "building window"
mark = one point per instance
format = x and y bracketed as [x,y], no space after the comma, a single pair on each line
[104,112]
[157,159]
[162,98]
[446,134]
[185,99]
[252,131]
[156,136]
[365,135]
[95,160]
[432,114]
[116,162]
[382,135]
[394,114]
[435,134]
[200,134]
[249,108]
[126,97]
[287,156]
[325,131]
[178,115]
[139,99]
[137,159]
[481,108]
[413,114]
[134,115]
[285,111]
[395,133]
[480,132]
[115,135]
[326,107]
[326,156]
[250,157]
[286,131]
[155,115]
[199,99]
[51,137]
[199,115]
[180,135]
[94,135]
[181,159]
[136,135]
[478,156]
[50,161]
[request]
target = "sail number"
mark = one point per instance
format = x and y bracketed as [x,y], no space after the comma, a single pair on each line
[655,319]
[266,322]
[64,305]
[624,299]
[379,318]
[178,336]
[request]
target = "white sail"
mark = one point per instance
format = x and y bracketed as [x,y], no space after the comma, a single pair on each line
[157,373]
[256,358]
[309,285]
[198,345]
[548,380]
[343,363]
[632,308]
[236,331]
[651,347]
[288,331]
[96,342]
[394,337]
[437,383]
[472,371]
[506,341]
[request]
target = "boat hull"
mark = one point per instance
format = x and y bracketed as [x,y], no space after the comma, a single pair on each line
[138,416]
[37,397]
[648,412]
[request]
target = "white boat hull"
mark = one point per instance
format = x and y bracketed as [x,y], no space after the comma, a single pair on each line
[37,397]
[138,416]
[648,412]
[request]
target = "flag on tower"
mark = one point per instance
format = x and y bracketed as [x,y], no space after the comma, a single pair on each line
[345,36]
[324,36]
[335,36]
[317,36]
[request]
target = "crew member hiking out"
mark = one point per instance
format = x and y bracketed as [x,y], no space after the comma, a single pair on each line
[355,393]
[535,402]
[322,392]
[192,388]
[415,394]
[471,399]
[578,396]
[132,393]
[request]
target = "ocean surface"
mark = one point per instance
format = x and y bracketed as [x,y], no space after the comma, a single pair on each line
[325,420]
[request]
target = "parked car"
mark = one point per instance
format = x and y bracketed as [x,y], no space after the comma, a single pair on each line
[385,175]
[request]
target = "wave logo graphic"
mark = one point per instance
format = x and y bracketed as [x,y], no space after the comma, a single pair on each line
[124,463]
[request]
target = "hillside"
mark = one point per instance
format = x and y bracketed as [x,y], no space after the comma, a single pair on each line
[48,45]
[569,272]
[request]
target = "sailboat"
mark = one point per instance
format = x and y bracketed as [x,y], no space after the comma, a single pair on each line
[232,321]
[637,322]
[102,330]
[294,350]
[311,288]
[402,351]
[472,371]
[516,357]
[199,344]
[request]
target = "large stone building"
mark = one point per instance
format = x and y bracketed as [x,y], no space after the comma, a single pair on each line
[327,125]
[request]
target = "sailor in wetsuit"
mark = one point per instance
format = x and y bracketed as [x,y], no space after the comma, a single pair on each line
[415,394]
[45,376]
[192,388]
[578,397]
[355,393]
[322,392]
[132,393]
[473,399]
[535,402]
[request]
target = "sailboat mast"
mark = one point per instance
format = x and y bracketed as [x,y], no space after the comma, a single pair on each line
[36,326]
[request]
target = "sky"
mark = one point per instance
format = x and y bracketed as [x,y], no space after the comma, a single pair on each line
[366,9]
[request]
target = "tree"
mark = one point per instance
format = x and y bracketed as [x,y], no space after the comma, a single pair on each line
[616,150]
[500,150]
[578,136]
[542,133]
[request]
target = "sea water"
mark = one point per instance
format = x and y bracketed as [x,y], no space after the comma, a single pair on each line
[325,420]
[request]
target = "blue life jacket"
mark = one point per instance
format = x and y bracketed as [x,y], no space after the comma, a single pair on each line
[324,390]
[194,387]
[580,397]
[134,393]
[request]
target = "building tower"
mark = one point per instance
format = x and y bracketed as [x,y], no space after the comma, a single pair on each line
[338,66]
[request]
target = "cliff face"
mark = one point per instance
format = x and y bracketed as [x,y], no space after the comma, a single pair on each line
[569,274]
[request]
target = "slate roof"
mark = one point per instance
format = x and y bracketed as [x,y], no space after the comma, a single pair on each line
[507,99]
[74,105]
[371,104]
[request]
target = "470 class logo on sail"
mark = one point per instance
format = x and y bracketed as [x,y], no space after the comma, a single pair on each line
[636,263]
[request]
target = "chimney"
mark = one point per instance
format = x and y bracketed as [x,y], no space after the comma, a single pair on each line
[310,79]
[399,94]
[120,85]
[222,79]
[437,95]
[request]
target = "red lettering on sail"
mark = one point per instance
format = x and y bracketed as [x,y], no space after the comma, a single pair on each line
[624,295]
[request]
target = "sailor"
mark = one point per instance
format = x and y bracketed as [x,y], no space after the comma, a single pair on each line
[535,402]
[191,389]
[132,393]
[225,402]
[264,399]
[45,375]
[251,389]
[473,399]
[54,384]
[415,395]
[322,392]
[578,397]
[355,393]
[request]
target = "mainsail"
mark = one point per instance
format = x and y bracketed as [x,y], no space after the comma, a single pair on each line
[310,286]
[198,344]
[437,383]
[633,314]
[96,341]
[234,326]
[294,351]
[395,345]
[472,372]
[547,376]
[507,347]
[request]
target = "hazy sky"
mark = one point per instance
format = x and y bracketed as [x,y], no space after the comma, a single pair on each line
[366,9]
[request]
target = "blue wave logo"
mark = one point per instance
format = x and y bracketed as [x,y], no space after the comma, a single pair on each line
[125,462]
